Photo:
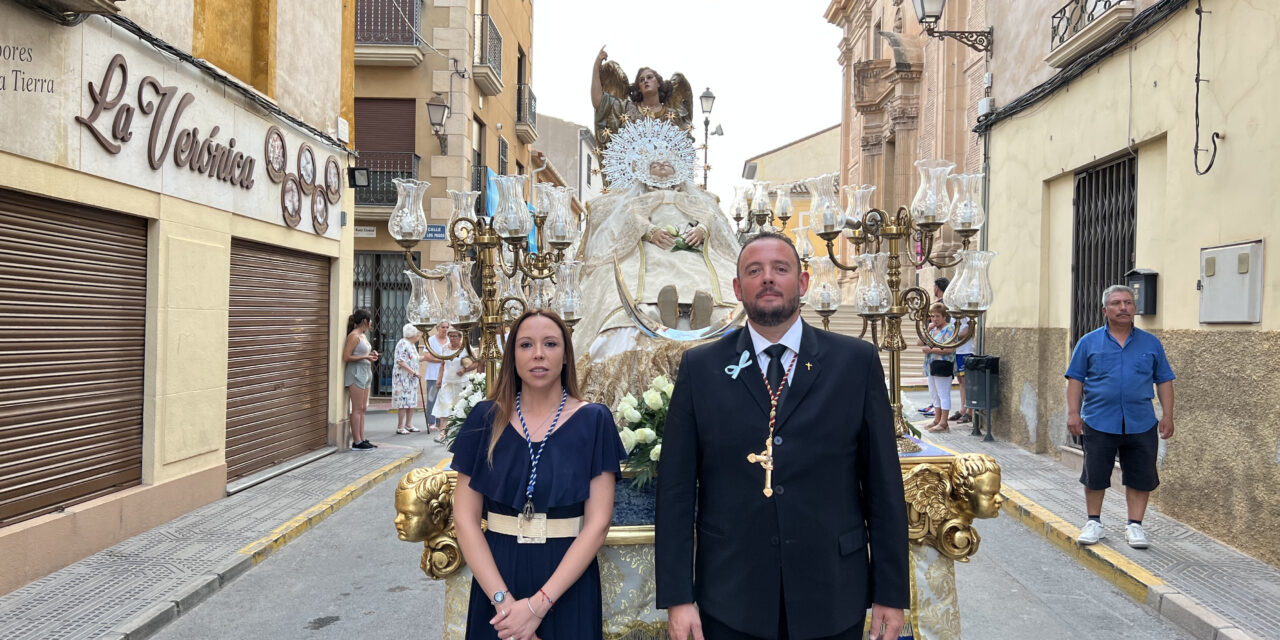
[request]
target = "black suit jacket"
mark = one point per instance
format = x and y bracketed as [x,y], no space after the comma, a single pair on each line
[837,489]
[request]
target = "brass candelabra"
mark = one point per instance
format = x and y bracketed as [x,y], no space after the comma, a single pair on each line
[499,247]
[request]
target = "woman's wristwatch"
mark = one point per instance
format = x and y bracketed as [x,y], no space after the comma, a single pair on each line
[499,597]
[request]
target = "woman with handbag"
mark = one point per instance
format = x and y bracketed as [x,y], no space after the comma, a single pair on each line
[939,366]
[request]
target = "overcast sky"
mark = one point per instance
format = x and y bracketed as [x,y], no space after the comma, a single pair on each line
[771,65]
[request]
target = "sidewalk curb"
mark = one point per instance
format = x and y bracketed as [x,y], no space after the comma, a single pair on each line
[262,548]
[1126,575]
[155,617]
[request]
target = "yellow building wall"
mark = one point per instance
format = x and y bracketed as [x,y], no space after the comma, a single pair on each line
[240,37]
[1178,212]
[805,158]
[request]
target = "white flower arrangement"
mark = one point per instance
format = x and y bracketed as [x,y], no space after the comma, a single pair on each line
[640,424]
[471,395]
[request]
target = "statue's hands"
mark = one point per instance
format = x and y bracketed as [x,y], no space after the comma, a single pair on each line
[662,239]
[695,235]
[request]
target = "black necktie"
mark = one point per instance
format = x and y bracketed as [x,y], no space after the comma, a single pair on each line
[776,372]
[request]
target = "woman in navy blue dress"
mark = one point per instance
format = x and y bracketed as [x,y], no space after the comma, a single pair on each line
[540,465]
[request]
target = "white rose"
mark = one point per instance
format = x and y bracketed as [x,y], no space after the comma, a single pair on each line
[646,435]
[631,415]
[629,401]
[459,411]
[659,383]
[655,453]
[652,399]
[668,389]
[628,438]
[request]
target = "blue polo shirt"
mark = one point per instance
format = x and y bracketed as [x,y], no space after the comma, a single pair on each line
[1119,382]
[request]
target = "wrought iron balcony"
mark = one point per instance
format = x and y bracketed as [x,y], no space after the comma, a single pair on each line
[1080,25]
[486,68]
[526,114]
[387,33]
[384,166]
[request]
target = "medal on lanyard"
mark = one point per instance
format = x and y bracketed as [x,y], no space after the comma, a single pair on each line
[533,526]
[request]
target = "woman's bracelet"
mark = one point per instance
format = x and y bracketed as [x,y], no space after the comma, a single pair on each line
[535,613]
[549,600]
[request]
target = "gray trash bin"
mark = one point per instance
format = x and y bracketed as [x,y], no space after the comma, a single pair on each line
[982,382]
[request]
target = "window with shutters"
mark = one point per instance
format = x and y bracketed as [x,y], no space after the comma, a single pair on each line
[502,155]
[384,135]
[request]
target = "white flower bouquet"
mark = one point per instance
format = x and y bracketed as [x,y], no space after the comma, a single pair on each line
[472,394]
[640,422]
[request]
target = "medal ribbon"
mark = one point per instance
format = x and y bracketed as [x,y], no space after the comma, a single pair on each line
[535,457]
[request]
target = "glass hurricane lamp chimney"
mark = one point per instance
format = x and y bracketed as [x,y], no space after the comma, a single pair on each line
[971,290]
[966,205]
[824,289]
[872,296]
[512,220]
[569,300]
[462,305]
[824,210]
[931,204]
[407,221]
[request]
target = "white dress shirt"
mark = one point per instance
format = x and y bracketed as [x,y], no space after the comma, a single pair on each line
[790,340]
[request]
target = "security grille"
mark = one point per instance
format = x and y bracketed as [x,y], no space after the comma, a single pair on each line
[1104,237]
[1104,232]
[382,287]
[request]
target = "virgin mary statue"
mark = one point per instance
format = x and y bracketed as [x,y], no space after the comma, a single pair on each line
[675,251]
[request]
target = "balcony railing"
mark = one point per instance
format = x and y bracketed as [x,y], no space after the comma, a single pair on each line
[1074,17]
[526,114]
[384,166]
[487,67]
[392,22]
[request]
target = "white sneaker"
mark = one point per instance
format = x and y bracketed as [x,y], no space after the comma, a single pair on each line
[1091,533]
[1135,536]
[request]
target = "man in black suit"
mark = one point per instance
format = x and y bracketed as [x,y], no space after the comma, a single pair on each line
[783,514]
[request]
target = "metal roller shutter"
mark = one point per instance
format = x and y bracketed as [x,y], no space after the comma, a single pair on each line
[277,356]
[73,296]
[385,124]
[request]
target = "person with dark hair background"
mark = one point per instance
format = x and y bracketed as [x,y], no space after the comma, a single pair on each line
[359,355]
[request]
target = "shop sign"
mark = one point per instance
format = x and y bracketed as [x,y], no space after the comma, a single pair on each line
[110,121]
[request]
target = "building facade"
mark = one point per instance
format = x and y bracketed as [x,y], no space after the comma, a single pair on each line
[1103,161]
[476,57]
[172,241]
[907,97]
[571,149]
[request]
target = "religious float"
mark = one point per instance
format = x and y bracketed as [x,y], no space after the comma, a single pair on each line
[647,278]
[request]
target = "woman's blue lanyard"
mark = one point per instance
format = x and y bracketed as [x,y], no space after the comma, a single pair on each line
[535,457]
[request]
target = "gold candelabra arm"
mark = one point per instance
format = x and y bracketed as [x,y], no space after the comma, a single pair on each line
[509,315]
[917,303]
[831,255]
[462,232]
[426,344]
[430,275]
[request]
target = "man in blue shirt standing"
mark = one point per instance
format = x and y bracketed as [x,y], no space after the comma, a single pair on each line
[1109,391]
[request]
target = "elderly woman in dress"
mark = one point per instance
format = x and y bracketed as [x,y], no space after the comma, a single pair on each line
[406,380]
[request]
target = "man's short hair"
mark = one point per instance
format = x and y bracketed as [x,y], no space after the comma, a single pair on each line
[762,236]
[1106,293]
[941,283]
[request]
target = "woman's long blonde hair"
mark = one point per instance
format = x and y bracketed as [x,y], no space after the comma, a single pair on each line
[503,391]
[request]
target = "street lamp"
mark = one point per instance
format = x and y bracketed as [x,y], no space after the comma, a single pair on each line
[708,100]
[437,113]
[929,14]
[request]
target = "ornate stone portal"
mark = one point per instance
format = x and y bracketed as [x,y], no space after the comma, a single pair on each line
[944,493]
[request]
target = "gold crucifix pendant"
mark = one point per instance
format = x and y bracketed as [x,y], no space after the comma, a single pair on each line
[765,460]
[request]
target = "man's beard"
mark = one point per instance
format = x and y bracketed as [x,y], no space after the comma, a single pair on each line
[773,317]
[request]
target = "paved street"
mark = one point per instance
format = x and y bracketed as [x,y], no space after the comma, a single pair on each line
[350,577]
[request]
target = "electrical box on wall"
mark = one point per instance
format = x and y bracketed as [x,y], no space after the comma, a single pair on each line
[1143,283]
[1231,283]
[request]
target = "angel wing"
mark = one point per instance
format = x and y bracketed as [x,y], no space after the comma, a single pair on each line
[926,489]
[681,97]
[614,80]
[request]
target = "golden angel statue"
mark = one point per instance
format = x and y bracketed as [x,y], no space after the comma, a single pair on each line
[617,100]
